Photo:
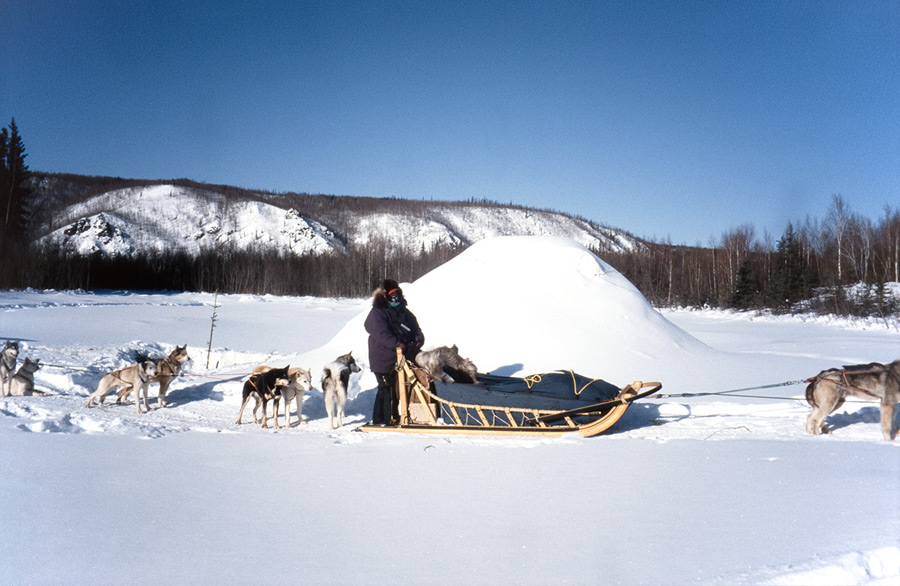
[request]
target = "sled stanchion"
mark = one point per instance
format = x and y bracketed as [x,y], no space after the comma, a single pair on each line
[401,388]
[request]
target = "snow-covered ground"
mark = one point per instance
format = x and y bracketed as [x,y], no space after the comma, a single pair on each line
[703,490]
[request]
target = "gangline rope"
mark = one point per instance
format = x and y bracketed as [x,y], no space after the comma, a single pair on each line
[731,391]
[772,386]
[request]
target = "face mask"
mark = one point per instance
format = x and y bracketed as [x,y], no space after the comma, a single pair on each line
[394,302]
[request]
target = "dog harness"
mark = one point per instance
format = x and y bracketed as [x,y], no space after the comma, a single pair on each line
[845,382]
[266,394]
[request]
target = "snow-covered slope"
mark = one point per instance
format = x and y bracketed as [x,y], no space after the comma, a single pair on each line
[170,217]
[167,217]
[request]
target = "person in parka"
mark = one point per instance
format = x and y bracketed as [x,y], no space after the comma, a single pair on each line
[390,325]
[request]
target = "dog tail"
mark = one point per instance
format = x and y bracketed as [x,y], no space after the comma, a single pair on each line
[811,393]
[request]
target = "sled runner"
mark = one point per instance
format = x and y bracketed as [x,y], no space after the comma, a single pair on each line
[548,404]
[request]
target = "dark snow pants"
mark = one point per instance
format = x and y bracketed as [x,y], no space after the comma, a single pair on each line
[385,407]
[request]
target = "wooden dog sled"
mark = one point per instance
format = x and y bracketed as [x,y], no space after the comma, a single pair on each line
[549,404]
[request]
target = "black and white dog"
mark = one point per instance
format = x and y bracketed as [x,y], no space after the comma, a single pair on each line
[8,358]
[335,379]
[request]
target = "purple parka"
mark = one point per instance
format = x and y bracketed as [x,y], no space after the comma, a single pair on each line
[388,328]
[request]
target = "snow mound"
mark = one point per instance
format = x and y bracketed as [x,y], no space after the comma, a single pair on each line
[515,304]
[520,305]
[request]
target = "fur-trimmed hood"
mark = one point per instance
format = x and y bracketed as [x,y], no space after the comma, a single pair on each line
[379,298]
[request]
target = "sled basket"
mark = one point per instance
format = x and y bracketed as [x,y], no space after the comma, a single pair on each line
[549,404]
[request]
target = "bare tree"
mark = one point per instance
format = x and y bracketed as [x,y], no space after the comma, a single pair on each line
[839,216]
[736,245]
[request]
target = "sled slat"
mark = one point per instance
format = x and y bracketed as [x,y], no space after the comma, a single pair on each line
[455,414]
[473,430]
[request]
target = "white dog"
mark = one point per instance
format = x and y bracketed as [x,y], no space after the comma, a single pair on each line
[299,381]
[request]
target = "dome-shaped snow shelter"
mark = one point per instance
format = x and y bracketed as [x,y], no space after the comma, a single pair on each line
[520,305]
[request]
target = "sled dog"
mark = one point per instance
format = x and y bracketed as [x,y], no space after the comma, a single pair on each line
[167,370]
[335,379]
[874,382]
[8,358]
[446,365]
[134,377]
[298,382]
[263,387]
[23,381]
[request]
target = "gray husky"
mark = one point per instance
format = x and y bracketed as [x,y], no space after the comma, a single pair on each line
[335,379]
[23,381]
[446,365]
[874,382]
[8,358]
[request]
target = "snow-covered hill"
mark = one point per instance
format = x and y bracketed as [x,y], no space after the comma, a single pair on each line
[192,219]
[168,217]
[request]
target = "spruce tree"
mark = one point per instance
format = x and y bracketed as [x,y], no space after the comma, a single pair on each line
[15,175]
[746,287]
[790,275]
[4,172]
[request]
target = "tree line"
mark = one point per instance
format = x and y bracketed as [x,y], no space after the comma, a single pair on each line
[811,267]
[352,274]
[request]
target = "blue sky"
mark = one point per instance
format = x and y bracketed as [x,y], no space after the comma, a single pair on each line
[671,120]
